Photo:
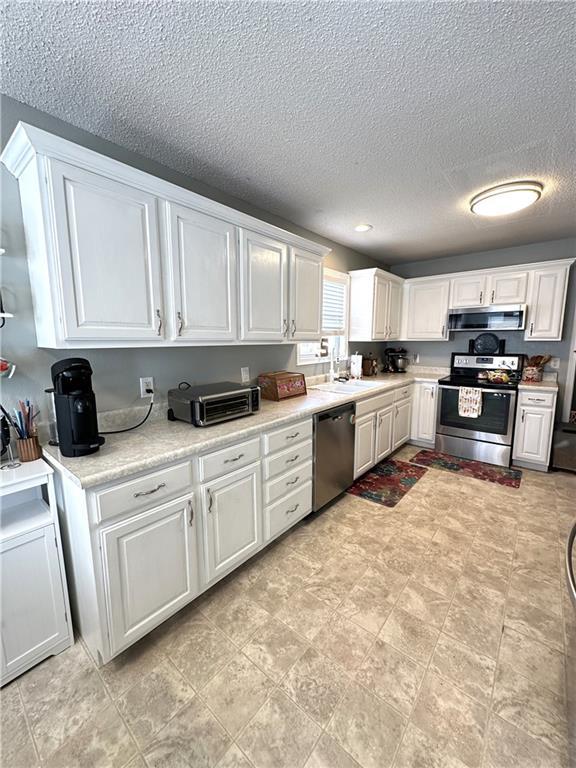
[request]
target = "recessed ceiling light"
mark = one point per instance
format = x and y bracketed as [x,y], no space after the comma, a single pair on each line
[363,227]
[506,198]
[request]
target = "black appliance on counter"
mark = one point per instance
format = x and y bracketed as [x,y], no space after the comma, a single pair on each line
[75,407]
[212,403]
[488,437]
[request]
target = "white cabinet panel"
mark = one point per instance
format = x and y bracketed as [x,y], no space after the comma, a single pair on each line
[424,412]
[232,519]
[427,307]
[380,314]
[109,259]
[264,280]
[402,419]
[384,430]
[33,607]
[394,310]
[305,295]
[508,288]
[364,444]
[533,434]
[150,569]
[203,274]
[546,304]
[468,291]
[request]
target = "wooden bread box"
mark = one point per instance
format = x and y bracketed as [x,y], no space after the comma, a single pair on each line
[279,385]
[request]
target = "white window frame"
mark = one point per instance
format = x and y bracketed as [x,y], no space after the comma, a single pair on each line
[315,359]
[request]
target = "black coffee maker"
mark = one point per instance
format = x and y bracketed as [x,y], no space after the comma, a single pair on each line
[75,407]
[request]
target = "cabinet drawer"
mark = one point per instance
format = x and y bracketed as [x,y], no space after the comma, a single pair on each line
[541,399]
[286,512]
[374,404]
[150,490]
[282,462]
[402,393]
[287,436]
[275,489]
[221,462]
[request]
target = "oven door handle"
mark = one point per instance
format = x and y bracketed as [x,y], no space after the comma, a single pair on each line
[571,581]
[484,389]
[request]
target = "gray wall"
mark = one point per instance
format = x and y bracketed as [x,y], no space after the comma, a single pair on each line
[116,372]
[438,352]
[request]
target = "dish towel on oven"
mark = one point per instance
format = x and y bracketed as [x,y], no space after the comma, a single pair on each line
[469,402]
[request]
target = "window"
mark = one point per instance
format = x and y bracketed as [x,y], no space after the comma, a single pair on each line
[335,289]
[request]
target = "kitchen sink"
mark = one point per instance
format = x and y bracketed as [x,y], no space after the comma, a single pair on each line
[344,387]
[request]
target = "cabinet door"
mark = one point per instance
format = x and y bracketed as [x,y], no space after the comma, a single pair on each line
[546,305]
[109,257]
[364,444]
[533,434]
[305,295]
[402,418]
[384,429]
[394,309]
[426,310]
[203,271]
[233,526]
[380,313]
[508,288]
[424,412]
[264,295]
[468,291]
[33,608]
[150,568]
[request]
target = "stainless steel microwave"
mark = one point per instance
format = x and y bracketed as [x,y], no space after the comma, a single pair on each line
[504,317]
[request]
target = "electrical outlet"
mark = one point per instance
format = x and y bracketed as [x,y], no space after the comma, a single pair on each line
[245,373]
[146,382]
[415,358]
[554,363]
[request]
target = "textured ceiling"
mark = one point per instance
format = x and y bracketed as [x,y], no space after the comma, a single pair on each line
[326,113]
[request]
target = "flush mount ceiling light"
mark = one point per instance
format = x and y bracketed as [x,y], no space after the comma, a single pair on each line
[363,227]
[506,198]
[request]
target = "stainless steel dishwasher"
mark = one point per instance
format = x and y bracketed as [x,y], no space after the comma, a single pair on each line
[333,453]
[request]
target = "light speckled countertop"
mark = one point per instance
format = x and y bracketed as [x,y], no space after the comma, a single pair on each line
[547,386]
[161,442]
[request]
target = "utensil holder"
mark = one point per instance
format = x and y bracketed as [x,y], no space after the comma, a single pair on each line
[28,448]
[532,373]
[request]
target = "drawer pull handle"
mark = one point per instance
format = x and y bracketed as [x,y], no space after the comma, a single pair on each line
[152,490]
[236,458]
[292,509]
[492,298]
[190,512]
[293,482]
[180,323]
[523,415]
[537,399]
[291,437]
[159,329]
[294,458]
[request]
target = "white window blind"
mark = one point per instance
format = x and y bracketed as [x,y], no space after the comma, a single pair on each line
[334,303]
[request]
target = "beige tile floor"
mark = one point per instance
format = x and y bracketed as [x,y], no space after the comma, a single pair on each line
[430,635]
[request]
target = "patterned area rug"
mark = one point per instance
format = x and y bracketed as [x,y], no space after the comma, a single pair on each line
[477,469]
[387,482]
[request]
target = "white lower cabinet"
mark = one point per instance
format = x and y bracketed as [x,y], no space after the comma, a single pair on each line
[364,446]
[232,520]
[33,603]
[534,428]
[384,431]
[402,419]
[424,412]
[150,568]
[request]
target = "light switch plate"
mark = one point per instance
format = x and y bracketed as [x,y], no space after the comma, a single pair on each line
[245,373]
[554,363]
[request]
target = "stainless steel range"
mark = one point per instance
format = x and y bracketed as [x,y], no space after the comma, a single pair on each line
[488,437]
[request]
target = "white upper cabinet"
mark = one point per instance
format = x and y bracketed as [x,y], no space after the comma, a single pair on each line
[203,267]
[468,291]
[305,295]
[507,288]
[264,292]
[107,269]
[375,305]
[426,309]
[546,304]
[106,239]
